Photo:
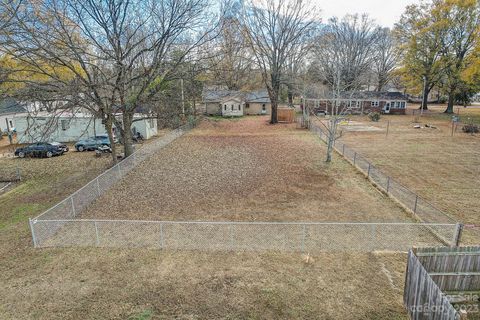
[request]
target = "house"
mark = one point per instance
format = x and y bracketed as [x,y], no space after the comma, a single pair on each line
[9,108]
[236,103]
[71,127]
[363,102]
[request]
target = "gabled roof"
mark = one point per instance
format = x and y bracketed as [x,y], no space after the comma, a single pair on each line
[10,106]
[258,96]
[214,95]
[217,95]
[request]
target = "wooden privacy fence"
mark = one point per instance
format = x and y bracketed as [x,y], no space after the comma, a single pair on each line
[436,276]
[286,115]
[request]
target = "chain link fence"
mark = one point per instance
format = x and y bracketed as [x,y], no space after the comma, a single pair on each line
[62,226]
[75,204]
[240,236]
[422,210]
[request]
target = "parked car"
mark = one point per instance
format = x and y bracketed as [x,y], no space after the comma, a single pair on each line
[62,146]
[92,143]
[105,136]
[40,149]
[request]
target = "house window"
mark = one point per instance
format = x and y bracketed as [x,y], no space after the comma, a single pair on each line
[375,104]
[247,105]
[402,105]
[263,107]
[225,107]
[65,125]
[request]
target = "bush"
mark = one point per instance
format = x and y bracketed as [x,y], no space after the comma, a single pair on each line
[470,128]
[374,116]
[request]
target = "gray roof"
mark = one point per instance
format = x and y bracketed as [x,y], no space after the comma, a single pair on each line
[9,106]
[260,96]
[212,95]
[215,95]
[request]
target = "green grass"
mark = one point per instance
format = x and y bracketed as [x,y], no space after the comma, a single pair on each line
[144,315]
[21,213]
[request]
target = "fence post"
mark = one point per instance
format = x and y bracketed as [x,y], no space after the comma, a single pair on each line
[232,240]
[30,221]
[388,184]
[304,231]
[458,235]
[372,247]
[343,150]
[161,236]
[73,206]
[97,240]
[416,201]
[368,173]
[19,177]
[354,157]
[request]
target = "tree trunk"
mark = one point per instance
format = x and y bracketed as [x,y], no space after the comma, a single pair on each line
[109,128]
[329,149]
[127,133]
[450,103]
[290,96]
[273,118]
[426,91]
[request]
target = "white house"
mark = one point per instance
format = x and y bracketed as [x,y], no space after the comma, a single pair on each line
[236,103]
[68,127]
[9,108]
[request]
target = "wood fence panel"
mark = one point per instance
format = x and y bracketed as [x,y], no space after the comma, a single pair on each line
[422,297]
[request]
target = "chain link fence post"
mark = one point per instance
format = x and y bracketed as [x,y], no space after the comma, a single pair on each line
[73,206]
[19,176]
[232,239]
[457,237]
[304,231]
[354,158]
[368,172]
[416,202]
[32,229]
[388,184]
[97,239]
[161,237]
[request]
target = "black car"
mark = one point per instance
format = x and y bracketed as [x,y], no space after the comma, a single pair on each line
[62,146]
[41,149]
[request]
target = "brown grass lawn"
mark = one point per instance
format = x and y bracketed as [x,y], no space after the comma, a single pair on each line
[245,170]
[234,171]
[443,169]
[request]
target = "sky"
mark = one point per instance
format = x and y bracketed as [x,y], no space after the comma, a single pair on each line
[385,12]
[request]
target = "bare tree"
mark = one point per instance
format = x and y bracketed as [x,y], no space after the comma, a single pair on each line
[347,47]
[343,58]
[117,54]
[274,29]
[231,62]
[385,59]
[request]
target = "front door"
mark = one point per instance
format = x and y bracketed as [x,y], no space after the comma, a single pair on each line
[386,108]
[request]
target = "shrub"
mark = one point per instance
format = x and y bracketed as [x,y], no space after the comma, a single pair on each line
[470,128]
[374,116]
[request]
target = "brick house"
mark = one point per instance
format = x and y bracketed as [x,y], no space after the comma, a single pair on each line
[363,102]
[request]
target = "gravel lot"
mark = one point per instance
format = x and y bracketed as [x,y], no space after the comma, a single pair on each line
[245,170]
